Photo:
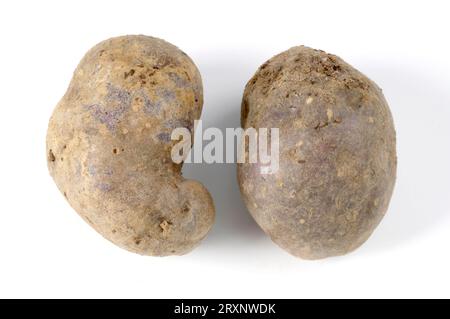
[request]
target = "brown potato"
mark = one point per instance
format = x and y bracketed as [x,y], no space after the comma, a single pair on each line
[109,146]
[337,153]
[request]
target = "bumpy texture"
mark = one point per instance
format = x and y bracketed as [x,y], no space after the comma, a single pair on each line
[109,144]
[337,153]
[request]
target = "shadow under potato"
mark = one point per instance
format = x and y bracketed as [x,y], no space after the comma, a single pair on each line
[420,104]
[233,221]
[224,74]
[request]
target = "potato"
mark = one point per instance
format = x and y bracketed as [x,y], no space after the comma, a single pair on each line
[337,152]
[109,146]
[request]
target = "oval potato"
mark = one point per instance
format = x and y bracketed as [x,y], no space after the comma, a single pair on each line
[337,148]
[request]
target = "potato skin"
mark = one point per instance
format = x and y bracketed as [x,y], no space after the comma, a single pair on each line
[109,144]
[337,153]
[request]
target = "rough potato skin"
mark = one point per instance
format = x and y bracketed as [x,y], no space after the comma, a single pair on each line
[109,144]
[337,153]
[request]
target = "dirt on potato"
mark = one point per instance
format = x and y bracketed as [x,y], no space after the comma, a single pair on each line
[337,153]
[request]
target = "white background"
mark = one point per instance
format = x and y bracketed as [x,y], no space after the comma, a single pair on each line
[46,250]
